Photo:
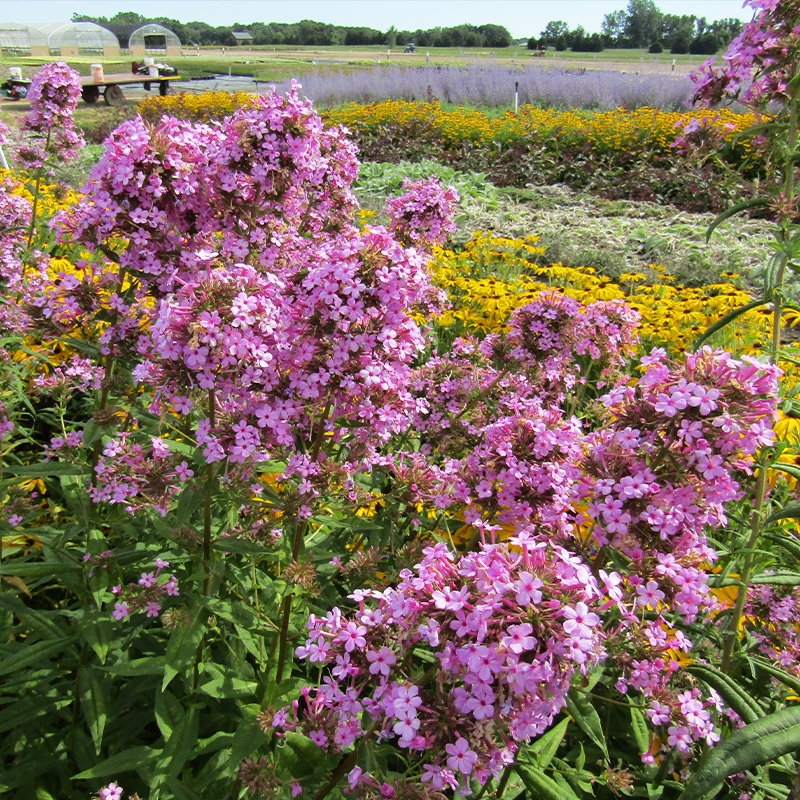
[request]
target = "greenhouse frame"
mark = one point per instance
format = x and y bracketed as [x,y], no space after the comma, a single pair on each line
[143,41]
[70,39]
[19,39]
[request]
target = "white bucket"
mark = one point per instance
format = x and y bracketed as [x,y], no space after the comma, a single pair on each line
[16,73]
[152,70]
[148,61]
[97,73]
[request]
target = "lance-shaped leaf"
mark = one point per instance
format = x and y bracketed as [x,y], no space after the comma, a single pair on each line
[542,786]
[729,317]
[730,691]
[733,210]
[755,745]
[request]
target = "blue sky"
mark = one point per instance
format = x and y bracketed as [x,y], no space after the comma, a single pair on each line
[522,17]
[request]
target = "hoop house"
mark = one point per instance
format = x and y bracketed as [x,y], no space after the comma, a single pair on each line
[20,39]
[154,38]
[75,38]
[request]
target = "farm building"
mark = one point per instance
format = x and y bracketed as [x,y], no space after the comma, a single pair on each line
[242,37]
[19,39]
[70,39]
[153,38]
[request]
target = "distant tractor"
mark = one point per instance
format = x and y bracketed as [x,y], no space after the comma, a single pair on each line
[410,48]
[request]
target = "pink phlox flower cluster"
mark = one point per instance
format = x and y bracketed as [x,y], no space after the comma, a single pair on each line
[147,594]
[15,220]
[555,337]
[525,469]
[507,631]
[663,469]
[80,374]
[772,614]
[53,93]
[276,350]
[175,191]
[450,421]
[758,63]
[138,476]
[424,215]
[65,448]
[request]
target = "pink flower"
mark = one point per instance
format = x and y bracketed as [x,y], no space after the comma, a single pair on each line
[649,596]
[381,660]
[462,759]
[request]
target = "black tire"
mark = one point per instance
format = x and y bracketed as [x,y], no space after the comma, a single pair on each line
[113,95]
[90,94]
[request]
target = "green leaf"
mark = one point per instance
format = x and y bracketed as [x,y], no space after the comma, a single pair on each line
[139,666]
[787,468]
[189,501]
[126,761]
[97,631]
[546,746]
[169,713]
[641,733]
[733,210]
[25,711]
[43,470]
[241,546]
[38,569]
[248,736]
[788,512]
[580,707]
[730,691]
[80,344]
[729,317]
[757,744]
[784,578]
[785,678]
[542,787]
[33,654]
[178,748]
[93,704]
[788,543]
[183,644]
[302,757]
[42,621]
[226,683]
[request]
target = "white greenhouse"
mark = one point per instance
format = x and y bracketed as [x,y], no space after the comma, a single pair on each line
[17,39]
[71,39]
[152,38]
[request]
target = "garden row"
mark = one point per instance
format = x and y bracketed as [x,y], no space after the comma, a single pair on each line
[637,155]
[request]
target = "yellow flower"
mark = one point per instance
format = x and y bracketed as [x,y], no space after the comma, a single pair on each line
[787,427]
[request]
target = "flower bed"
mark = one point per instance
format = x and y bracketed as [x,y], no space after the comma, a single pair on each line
[274,522]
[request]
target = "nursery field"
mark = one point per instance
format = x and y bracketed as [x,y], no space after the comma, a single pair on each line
[401,449]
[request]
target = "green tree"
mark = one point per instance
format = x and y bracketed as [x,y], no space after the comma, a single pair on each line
[554,31]
[643,23]
[614,25]
[495,35]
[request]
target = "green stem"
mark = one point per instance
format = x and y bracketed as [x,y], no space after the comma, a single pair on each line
[760,494]
[299,533]
[347,764]
[756,518]
[212,403]
[36,192]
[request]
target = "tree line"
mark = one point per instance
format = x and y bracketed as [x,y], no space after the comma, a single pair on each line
[643,26]
[308,32]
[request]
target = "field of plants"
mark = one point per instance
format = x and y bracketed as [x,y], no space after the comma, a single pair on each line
[403,450]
